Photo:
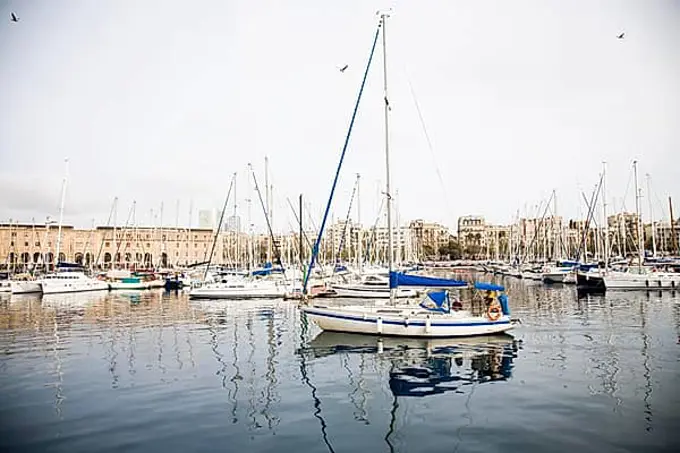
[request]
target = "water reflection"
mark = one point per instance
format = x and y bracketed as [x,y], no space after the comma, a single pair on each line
[259,376]
[423,367]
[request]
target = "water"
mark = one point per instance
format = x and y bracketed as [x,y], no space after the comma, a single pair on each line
[156,372]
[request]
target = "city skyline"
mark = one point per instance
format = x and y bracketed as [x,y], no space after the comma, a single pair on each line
[515,103]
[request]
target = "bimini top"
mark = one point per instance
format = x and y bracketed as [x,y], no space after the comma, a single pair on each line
[399,279]
[488,287]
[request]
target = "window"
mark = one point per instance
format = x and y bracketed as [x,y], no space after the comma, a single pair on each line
[11,244]
[37,244]
[148,245]
[14,234]
[26,244]
[107,244]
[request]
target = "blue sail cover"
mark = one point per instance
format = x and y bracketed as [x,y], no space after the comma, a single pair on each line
[436,301]
[399,279]
[488,287]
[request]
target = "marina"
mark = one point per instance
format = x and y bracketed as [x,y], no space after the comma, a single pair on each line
[260,230]
[176,374]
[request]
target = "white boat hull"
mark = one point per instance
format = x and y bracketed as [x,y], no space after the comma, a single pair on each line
[128,285]
[360,291]
[650,281]
[377,323]
[56,287]
[26,287]
[232,292]
[5,287]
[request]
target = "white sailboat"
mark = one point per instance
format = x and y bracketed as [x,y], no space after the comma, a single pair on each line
[371,286]
[640,277]
[68,280]
[435,316]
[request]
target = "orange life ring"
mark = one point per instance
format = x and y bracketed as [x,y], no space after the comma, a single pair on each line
[494,312]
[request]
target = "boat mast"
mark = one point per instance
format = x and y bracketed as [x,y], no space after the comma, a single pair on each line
[266,208]
[388,195]
[674,238]
[359,227]
[641,249]
[605,221]
[651,216]
[61,210]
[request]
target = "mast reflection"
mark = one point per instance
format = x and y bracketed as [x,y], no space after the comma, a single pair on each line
[423,367]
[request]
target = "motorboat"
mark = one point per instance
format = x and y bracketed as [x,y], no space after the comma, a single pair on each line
[71,282]
[372,286]
[240,289]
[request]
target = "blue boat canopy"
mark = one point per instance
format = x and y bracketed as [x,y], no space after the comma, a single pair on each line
[436,301]
[488,287]
[399,279]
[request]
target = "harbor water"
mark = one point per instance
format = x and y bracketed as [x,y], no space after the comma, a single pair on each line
[154,371]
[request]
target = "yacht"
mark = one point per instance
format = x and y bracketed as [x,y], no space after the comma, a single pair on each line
[71,282]
[240,289]
[372,286]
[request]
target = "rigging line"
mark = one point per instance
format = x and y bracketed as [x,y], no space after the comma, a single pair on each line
[219,226]
[108,223]
[429,143]
[349,212]
[315,250]
[277,250]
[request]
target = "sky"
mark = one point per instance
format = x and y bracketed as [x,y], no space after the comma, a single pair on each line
[161,102]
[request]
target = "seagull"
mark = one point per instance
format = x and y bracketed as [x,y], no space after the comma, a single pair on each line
[621,35]
[14,17]
[343,68]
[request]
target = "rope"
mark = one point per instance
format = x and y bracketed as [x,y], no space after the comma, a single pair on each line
[315,250]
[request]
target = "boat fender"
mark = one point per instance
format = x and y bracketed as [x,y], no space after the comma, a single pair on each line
[379,323]
[405,322]
[428,324]
[647,283]
[672,283]
[659,282]
[494,312]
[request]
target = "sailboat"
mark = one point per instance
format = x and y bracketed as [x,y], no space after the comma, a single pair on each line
[68,278]
[436,316]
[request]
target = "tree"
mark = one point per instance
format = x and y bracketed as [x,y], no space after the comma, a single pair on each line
[450,250]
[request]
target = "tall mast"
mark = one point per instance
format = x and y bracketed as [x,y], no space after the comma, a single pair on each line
[61,210]
[237,228]
[674,238]
[266,209]
[360,228]
[641,248]
[651,215]
[388,195]
[605,221]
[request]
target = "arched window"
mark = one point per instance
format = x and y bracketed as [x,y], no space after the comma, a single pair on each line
[148,259]
[107,257]
[36,257]
[88,259]
[62,258]
[25,257]
[49,257]
[79,258]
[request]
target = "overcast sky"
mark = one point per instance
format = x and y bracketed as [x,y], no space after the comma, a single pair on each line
[159,101]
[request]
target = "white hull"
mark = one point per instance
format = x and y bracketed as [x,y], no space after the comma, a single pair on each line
[26,287]
[5,286]
[371,292]
[128,285]
[391,323]
[649,281]
[236,291]
[57,286]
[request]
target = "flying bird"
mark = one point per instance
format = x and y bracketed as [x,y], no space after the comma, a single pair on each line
[14,17]
[621,35]
[343,68]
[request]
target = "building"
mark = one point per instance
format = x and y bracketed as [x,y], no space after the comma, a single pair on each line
[27,246]
[429,238]
[472,236]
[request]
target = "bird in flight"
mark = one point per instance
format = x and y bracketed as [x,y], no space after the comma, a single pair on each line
[621,36]
[14,18]
[343,68]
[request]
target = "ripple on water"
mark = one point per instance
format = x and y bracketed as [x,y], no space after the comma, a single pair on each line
[154,371]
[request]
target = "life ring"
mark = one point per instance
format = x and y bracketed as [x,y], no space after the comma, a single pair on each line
[494,312]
